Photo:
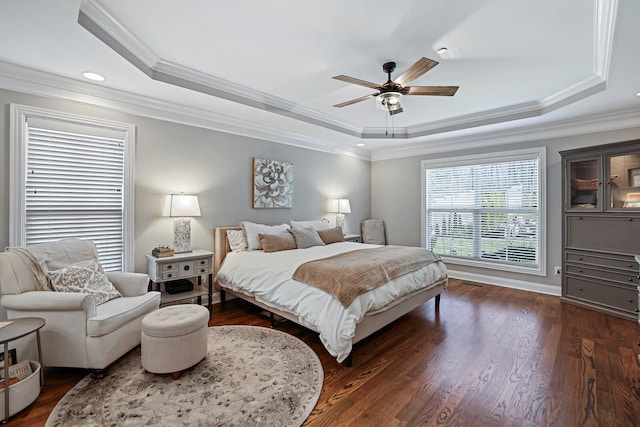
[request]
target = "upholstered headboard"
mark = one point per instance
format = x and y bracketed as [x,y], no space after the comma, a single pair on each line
[221,247]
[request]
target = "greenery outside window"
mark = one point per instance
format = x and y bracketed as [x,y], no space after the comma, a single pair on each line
[487,210]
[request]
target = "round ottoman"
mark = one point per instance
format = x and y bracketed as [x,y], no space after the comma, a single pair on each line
[174,338]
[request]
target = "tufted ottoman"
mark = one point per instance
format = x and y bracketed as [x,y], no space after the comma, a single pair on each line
[174,338]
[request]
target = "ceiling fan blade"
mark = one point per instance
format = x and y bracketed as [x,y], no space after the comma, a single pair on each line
[357,81]
[432,90]
[353,101]
[416,70]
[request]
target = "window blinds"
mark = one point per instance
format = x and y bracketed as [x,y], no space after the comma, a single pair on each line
[486,211]
[74,189]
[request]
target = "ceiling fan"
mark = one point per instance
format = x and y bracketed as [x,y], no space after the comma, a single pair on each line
[389,93]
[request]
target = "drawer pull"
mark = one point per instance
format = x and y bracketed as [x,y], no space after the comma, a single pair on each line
[580,271]
[630,219]
[630,300]
[580,289]
[631,279]
[186,267]
[580,259]
[169,275]
[169,266]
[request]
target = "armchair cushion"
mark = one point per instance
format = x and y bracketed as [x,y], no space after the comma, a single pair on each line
[116,313]
[84,277]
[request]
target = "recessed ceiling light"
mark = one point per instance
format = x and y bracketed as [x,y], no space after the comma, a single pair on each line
[442,50]
[360,144]
[638,94]
[93,76]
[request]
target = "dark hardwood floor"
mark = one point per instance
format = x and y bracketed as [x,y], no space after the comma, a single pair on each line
[491,356]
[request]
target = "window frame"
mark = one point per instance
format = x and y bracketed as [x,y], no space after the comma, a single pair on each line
[494,157]
[19,114]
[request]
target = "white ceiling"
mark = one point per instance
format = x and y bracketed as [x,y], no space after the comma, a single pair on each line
[265,68]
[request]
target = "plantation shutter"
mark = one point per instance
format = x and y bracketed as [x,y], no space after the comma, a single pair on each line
[485,211]
[74,187]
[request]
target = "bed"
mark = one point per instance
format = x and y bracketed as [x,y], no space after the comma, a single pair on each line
[264,279]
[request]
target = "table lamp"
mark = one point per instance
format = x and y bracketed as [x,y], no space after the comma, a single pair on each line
[181,207]
[340,207]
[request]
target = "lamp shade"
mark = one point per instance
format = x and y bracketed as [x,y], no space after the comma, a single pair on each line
[181,205]
[340,206]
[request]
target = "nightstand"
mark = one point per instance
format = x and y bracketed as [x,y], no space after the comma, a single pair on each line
[182,266]
[352,238]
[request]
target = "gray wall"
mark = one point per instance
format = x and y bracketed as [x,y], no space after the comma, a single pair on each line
[173,158]
[396,198]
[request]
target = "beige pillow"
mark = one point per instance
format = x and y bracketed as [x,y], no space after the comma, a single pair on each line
[277,242]
[332,235]
[252,231]
[306,237]
[237,240]
[84,277]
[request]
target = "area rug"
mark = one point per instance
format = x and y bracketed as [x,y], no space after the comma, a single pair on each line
[252,376]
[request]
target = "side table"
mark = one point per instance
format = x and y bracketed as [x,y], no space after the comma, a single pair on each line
[182,266]
[352,238]
[18,328]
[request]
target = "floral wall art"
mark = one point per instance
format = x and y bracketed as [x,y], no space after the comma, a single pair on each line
[272,183]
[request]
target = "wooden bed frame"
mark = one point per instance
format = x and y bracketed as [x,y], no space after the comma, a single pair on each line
[367,326]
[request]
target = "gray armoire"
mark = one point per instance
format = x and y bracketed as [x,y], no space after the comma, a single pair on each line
[601,227]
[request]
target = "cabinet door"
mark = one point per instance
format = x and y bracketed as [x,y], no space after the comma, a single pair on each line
[623,186]
[583,186]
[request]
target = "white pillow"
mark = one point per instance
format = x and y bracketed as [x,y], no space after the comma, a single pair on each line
[252,231]
[317,224]
[237,240]
[84,277]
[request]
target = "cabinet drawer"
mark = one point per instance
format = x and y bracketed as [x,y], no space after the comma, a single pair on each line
[205,262]
[186,269]
[626,263]
[619,298]
[169,275]
[617,276]
[604,233]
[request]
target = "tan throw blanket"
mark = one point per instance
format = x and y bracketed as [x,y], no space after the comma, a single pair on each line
[347,275]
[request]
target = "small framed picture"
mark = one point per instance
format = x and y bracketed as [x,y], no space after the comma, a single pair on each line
[634,177]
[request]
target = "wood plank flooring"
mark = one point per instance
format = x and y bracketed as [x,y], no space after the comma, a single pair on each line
[490,356]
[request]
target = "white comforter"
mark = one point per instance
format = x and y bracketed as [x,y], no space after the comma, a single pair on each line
[267,277]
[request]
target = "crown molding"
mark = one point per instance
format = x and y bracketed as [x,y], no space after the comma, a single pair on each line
[99,22]
[35,82]
[607,122]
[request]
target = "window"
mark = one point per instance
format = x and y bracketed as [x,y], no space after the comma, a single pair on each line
[487,210]
[71,177]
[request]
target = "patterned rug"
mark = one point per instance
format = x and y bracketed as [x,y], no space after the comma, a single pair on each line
[252,376]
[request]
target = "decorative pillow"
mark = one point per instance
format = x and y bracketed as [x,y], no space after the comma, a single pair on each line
[237,240]
[306,237]
[277,242]
[252,231]
[84,277]
[318,224]
[332,235]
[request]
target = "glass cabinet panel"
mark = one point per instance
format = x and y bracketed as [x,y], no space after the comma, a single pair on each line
[585,185]
[624,181]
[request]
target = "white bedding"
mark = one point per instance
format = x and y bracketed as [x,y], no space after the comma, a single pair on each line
[267,277]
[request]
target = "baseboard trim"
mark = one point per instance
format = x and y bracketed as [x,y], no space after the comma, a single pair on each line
[540,288]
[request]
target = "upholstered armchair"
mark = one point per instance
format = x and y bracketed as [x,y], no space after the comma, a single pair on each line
[84,328]
[373,231]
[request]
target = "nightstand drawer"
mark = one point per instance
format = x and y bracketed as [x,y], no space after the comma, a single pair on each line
[186,269]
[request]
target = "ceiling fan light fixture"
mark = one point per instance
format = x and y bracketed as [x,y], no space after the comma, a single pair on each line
[442,50]
[389,101]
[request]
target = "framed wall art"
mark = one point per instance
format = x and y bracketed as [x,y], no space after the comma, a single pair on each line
[634,177]
[272,184]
